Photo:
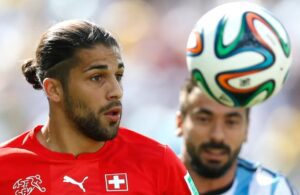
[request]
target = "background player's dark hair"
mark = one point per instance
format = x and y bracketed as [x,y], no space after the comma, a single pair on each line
[57,47]
[186,89]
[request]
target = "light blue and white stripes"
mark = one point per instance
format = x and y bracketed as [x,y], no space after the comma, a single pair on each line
[253,179]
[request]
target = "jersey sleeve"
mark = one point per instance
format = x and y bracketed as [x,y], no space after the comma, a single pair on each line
[174,178]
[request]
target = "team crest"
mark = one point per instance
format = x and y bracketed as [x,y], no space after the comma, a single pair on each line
[116,182]
[28,185]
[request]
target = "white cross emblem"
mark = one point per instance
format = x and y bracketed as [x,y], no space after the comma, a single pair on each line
[116,182]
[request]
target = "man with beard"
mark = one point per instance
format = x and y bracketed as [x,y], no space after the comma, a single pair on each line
[213,135]
[82,149]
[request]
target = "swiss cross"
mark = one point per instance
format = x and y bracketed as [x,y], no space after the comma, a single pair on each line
[116,182]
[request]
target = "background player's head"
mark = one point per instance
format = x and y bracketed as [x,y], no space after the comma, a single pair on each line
[212,133]
[79,66]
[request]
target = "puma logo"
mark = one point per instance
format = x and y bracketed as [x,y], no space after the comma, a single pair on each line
[68,179]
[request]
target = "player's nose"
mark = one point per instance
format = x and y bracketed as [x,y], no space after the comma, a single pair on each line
[115,90]
[217,132]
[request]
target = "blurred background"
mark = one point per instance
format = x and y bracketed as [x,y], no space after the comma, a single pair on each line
[153,35]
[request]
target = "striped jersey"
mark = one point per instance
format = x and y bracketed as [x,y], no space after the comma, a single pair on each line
[253,179]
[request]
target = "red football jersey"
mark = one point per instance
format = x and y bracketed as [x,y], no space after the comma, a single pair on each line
[129,164]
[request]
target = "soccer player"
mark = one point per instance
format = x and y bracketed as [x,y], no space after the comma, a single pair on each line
[212,139]
[81,149]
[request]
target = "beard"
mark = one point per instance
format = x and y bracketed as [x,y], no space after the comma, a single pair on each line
[88,122]
[212,169]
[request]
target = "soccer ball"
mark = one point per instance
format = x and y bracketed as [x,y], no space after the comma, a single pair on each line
[239,54]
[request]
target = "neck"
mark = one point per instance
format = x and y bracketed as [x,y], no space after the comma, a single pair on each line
[205,185]
[61,135]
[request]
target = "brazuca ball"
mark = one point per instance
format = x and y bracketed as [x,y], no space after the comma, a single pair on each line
[239,54]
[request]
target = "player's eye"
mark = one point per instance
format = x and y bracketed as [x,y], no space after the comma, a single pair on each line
[202,119]
[119,77]
[96,78]
[232,122]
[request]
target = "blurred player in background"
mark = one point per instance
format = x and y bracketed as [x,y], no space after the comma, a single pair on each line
[82,149]
[213,135]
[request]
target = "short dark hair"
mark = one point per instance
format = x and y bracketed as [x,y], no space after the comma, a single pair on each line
[58,45]
[185,91]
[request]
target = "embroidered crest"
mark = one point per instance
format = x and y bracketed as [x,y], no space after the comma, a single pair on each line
[28,185]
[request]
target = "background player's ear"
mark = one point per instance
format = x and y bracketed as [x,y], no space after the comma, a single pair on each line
[179,120]
[53,89]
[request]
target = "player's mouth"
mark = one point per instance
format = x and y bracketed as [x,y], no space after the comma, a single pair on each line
[114,114]
[215,154]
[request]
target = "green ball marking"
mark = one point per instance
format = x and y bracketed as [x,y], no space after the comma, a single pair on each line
[222,50]
[268,87]
[199,78]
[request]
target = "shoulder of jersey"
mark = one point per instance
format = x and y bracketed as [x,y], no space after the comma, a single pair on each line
[261,173]
[15,142]
[131,136]
[260,176]
[12,153]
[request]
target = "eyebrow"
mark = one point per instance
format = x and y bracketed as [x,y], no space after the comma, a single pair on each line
[208,112]
[203,111]
[102,67]
[121,65]
[234,114]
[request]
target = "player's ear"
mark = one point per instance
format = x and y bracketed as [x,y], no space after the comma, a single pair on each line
[179,121]
[53,89]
